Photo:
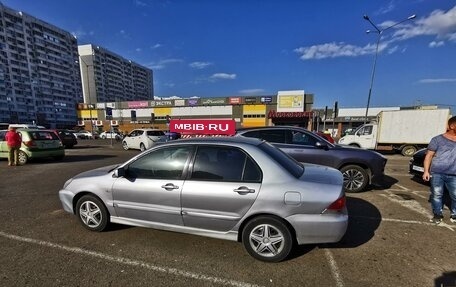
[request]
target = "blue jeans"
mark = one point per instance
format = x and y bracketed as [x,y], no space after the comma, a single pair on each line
[438,183]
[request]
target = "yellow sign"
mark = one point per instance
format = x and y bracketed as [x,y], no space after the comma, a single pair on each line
[291,101]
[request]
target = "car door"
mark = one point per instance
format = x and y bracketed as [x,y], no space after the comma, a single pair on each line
[299,144]
[221,187]
[3,145]
[152,185]
[133,139]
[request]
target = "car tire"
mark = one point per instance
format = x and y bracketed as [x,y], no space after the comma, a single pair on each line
[22,158]
[92,213]
[355,178]
[267,238]
[125,145]
[408,150]
[142,147]
[103,137]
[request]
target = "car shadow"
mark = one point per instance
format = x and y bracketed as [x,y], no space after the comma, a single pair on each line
[387,183]
[447,279]
[364,219]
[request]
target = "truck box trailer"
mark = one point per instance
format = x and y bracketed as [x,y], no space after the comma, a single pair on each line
[405,131]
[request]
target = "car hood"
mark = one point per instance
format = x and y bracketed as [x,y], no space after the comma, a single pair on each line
[97,172]
[321,174]
[357,150]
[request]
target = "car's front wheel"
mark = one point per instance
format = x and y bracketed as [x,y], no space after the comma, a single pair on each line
[125,145]
[92,213]
[355,178]
[267,238]
[142,147]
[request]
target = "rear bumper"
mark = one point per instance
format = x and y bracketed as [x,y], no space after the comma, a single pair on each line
[45,153]
[319,228]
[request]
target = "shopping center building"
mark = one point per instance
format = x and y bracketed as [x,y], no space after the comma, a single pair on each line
[285,108]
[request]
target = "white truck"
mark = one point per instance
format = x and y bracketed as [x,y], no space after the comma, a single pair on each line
[405,131]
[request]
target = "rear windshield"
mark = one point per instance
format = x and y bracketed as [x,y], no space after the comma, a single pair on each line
[43,135]
[287,162]
[155,133]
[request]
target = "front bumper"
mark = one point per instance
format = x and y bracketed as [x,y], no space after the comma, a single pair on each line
[66,198]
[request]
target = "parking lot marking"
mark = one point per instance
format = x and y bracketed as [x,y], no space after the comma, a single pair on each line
[334,269]
[412,205]
[130,262]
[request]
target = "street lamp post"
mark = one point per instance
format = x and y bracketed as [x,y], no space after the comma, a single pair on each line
[379,32]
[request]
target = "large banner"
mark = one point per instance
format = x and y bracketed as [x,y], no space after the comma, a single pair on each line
[290,101]
[203,127]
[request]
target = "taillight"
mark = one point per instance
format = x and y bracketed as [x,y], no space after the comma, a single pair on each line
[30,143]
[337,205]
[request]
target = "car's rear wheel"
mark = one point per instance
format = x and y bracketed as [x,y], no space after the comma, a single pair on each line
[355,178]
[142,147]
[92,213]
[125,145]
[59,157]
[267,238]
[22,158]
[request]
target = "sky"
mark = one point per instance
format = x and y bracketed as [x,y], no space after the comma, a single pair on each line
[219,48]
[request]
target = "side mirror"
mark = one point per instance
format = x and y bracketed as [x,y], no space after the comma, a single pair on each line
[120,172]
[321,145]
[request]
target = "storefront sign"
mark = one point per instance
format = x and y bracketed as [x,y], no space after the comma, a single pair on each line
[213,101]
[192,102]
[274,114]
[163,103]
[138,104]
[250,100]
[179,103]
[235,101]
[266,99]
[203,127]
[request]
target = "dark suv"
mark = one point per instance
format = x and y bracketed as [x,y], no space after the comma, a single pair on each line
[359,167]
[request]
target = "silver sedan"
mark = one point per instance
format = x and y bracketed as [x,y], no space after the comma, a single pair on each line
[232,188]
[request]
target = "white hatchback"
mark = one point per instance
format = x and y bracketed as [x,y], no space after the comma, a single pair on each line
[142,139]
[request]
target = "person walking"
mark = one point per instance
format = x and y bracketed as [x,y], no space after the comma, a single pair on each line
[13,141]
[440,170]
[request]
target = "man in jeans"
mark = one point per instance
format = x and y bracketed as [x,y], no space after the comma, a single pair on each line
[440,169]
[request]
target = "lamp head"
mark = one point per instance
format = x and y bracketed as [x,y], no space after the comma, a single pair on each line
[411,17]
[366,17]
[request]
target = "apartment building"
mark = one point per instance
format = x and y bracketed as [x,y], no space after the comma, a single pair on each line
[108,77]
[39,71]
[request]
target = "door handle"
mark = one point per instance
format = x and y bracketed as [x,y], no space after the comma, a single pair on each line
[170,186]
[243,190]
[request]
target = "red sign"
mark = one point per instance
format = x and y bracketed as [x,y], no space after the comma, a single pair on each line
[203,127]
[235,101]
[274,114]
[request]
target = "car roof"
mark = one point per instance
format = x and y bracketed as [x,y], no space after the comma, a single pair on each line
[221,140]
[270,128]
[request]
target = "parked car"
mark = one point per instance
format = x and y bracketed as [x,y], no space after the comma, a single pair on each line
[109,135]
[82,134]
[172,135]
[230,188]
[416,164]
[359,167]
[142,139]
[68,139]
[36,143]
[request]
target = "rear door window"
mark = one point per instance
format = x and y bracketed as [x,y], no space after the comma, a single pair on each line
[155,133]
[43,135]
[221,163]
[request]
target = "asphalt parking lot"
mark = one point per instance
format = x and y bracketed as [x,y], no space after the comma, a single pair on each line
[389,242]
